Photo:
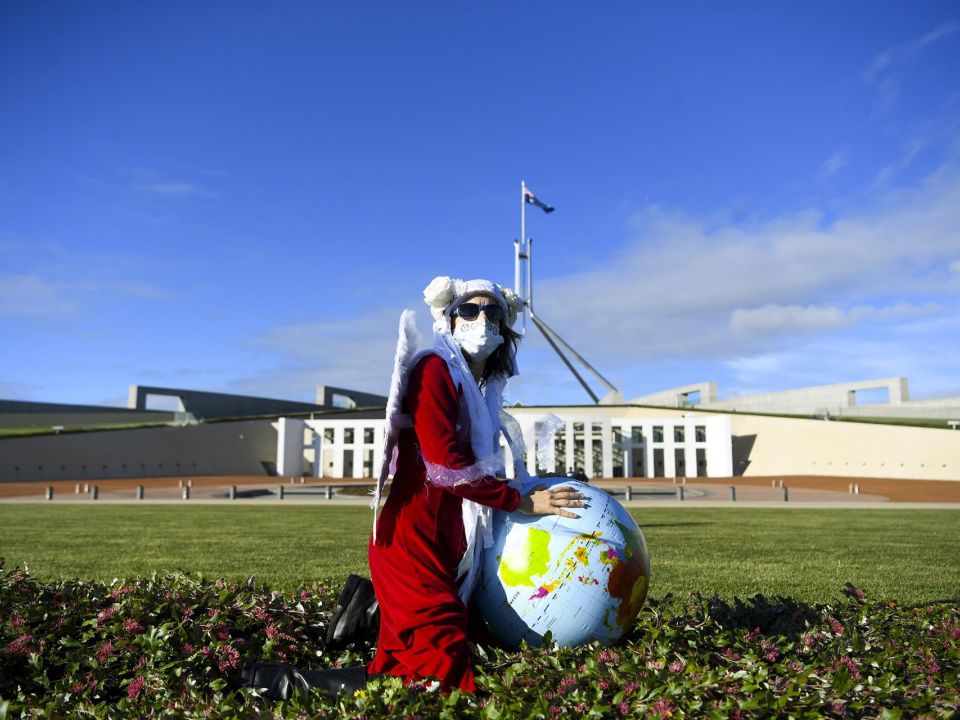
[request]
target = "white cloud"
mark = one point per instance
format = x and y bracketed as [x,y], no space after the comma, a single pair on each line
[28,295]
[177,188]
[833,164]
[885,61]
[788,318]
[355,353]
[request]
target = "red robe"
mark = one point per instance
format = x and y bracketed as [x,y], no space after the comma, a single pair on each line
[424,626]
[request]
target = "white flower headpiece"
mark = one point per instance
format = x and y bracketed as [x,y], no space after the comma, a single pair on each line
[444,293]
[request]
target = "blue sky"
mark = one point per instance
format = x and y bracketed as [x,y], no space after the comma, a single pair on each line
[242,197]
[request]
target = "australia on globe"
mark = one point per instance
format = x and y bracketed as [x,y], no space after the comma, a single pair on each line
[582,579]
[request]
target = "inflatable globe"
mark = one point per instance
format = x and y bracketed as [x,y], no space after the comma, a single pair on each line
[582,579]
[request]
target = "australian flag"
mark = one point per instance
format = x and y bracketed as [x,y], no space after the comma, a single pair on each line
[529,197]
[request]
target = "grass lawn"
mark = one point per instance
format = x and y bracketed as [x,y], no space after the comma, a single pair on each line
[912,556]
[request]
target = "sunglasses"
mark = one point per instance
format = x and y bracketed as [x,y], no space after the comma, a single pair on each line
[471,311]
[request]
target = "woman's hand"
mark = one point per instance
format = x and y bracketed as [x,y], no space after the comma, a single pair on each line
[541,501]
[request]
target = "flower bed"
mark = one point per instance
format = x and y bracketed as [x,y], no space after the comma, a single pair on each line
[174,644]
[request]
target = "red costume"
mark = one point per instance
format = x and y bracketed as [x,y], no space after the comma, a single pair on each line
[424,625]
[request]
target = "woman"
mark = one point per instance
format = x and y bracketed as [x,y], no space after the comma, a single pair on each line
[443,450]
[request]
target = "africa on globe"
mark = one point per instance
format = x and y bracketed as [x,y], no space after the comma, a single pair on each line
[582,579]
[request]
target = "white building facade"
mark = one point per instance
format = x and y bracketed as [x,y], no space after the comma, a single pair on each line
[602,445]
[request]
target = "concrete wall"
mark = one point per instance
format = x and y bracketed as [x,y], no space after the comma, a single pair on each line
[229,448]
[820,447]
[209,405]
[23,414]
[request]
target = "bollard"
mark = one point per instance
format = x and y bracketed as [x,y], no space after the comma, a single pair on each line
[773,483]
[628,493]
[94,492]
[850,488]
[233,492]
[301,480]
[49,493]
[780,481]
[783,489]
[190,482]
[86,487]
[77,489]
[180,482]
[329,492]
[679,492]
[733,493]
[683,480]
[280,491]
[186,493]
[139,492]
[856,488]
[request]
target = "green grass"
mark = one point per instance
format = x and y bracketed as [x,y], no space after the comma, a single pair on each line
[910,556]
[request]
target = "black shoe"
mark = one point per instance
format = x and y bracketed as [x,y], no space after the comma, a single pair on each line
[276,681]
[358,618]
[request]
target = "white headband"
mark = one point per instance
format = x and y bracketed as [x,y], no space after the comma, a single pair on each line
[444,294]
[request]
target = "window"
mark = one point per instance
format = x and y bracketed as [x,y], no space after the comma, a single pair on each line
[678,433]
[700,432]
[636,434]
[658,434]
[348,436]
[368,436]
[328,435]
[348,463]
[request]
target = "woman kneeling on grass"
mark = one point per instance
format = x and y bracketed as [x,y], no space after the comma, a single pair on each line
[443,449]
[444,428]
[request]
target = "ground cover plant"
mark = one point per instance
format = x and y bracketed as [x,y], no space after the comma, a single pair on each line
[173,642]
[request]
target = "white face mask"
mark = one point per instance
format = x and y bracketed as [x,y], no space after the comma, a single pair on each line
[478,338]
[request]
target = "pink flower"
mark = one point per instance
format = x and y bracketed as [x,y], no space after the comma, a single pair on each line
[188,648]
[105,615]
[20,646]
[770,652]
[849,665]
[753,634]
[836,626]
[104,651]
[271,631]
[630,687]
[566,683]
[608,656]
[229,658]
[261,614]
[304,594]
[624,708]
[223,634]
[16,620]
[676,666]
[134,688]
[132,626]
[662,708]
[604,685]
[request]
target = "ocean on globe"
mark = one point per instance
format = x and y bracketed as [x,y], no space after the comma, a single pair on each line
[582,579]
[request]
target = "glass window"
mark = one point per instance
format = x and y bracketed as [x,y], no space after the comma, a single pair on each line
[328,435]
[700,431]
[368,436]
[678,433]
[348,435]
[658,434]
[617,433]
[636,434]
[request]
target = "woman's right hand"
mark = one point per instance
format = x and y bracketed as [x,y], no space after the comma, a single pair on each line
[541,501]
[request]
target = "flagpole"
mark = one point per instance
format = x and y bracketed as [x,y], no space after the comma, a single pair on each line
[523,250]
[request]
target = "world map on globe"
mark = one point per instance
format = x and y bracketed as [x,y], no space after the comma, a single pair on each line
[582,579]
